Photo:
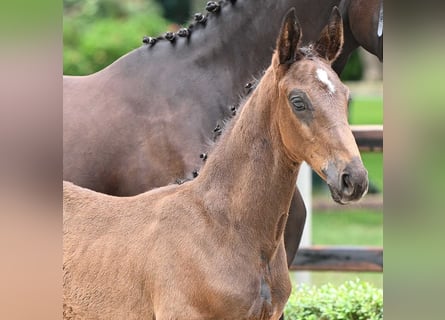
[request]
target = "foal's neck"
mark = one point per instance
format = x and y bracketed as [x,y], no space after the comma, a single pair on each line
[248,181]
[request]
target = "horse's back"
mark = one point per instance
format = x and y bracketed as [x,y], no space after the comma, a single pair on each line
[124,134]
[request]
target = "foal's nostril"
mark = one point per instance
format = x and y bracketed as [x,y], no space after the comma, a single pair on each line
[346,184]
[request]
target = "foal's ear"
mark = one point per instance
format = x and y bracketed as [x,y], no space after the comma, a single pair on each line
[331,39]
[289,38]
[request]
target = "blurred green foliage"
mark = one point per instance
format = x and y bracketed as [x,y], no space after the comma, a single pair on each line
[353,70]
[98,32]
[366,110]
[178,11]
[353,300]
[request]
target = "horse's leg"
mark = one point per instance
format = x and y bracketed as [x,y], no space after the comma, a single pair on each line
[294,226]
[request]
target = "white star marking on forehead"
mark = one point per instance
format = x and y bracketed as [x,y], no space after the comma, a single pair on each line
[322,75]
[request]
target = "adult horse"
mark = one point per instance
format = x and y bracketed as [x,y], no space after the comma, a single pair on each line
[213,248]
[142,122]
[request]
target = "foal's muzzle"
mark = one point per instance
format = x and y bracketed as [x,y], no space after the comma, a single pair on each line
[349,183]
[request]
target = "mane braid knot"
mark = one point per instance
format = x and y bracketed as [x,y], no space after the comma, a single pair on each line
[249,87]
[170,36]
[217,132]
[233,110]
[213,6]
[217,128]
[180,181]
[183,32]
[149,40]
[200,18]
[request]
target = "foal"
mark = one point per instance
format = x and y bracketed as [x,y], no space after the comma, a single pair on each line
[213,248]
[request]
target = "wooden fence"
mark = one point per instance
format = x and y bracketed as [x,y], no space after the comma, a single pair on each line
[338,258]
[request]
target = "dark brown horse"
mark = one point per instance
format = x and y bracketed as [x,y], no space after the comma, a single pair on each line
[143,121]
[213,248]
[363,25]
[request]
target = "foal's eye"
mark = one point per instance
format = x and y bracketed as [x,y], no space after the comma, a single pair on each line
[298,103]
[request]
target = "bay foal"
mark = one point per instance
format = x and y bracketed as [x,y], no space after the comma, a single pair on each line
[213,248]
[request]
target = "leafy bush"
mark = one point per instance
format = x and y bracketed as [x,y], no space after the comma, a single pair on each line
[353,300]
[98,32]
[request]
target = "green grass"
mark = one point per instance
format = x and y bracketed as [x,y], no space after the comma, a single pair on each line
[366,110]
[358,227]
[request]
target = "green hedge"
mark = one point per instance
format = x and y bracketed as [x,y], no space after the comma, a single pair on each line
[353,300]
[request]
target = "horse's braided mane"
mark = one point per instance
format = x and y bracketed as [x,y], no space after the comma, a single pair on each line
[212,7]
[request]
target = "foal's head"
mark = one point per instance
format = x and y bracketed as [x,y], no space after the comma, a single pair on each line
[313,106]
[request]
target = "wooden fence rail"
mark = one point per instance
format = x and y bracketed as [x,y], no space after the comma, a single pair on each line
[337,258]
[368,137]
